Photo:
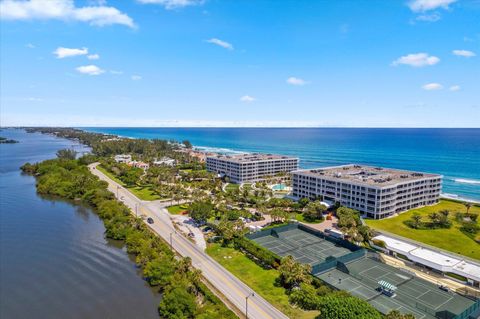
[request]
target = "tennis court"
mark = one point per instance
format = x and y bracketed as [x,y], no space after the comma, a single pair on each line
[351,269]
[306,248]
[412,295]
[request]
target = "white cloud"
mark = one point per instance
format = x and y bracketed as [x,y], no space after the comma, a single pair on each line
[248,99]
[455,88]
[30,46]
[93,56]
[296,81]
[62,52]
[90,69]
[136,77]
[417,60]
[116,72]
[433,17]
[464,53]
[432,87]
[221,43]
[427,5]
[63,10]
[173,4]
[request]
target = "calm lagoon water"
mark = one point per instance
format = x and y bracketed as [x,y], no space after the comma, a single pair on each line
[54,259]
[454,153]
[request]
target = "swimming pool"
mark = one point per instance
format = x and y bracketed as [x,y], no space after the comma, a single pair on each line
[279,187]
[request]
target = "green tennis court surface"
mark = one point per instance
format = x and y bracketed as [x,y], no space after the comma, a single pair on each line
[306,248]
[413,295]
[347,267]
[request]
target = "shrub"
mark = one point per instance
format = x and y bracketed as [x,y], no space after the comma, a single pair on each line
[339,306]
[305,297]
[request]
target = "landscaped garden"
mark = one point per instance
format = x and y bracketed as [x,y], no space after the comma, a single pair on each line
[455,231]
[142,192]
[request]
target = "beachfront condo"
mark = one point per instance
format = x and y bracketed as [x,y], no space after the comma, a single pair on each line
[242,168]
[378,192]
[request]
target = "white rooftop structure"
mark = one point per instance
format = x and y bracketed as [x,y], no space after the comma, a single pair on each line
[434,259]
[164,161]
[123,158]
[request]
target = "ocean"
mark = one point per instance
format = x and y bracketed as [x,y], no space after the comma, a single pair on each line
[454,153]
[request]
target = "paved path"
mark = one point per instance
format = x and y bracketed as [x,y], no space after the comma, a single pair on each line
[230,286]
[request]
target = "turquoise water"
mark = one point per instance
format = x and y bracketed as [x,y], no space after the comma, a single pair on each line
[454,153]
[278,187]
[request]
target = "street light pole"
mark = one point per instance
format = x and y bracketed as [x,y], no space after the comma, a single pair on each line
[136,209]
[118,187]
[171,241]
[252,294]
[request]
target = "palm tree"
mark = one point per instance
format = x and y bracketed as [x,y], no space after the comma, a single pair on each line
[293,273]
[417,219]
[468,206]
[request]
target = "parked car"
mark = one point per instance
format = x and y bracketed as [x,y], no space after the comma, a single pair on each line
[150,220]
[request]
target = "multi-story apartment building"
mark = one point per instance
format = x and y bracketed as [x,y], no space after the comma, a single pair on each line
[378,192]
[250,167]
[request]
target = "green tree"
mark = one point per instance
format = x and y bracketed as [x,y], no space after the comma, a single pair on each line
[187,144]
[201,210]
[468,206]
[305,297]
[339,306]
[416,220]
[159,271]
[313,211]
[67,153]
[177,303]
[229,230]
[293,273]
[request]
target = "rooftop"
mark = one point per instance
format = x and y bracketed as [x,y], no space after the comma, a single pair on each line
[435,259]
[368,175]
[248,158]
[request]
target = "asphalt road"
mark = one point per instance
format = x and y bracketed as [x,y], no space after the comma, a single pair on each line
[230,286]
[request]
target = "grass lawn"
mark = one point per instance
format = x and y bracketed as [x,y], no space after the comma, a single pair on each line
[449,239]
[300,218]
[259,279]
[177,209]
[144,193]
[231,187]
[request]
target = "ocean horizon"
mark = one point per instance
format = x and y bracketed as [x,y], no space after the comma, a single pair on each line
[451,152]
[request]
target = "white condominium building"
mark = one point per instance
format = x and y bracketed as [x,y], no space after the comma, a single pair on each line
[250,167]
[378,192]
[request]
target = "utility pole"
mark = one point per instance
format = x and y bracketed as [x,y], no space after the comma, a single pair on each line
[171,241]
[252,294]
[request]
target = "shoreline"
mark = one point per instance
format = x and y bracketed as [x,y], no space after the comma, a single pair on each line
[229,151]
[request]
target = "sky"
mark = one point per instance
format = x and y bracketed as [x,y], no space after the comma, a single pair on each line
[345,63]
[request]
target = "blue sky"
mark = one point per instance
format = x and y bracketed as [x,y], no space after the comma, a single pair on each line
[371,63]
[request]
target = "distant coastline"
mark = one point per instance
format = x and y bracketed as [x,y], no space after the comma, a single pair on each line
[454,153]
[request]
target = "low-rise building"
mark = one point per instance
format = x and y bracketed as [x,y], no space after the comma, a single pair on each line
[434,259]
[167,161]
[250,167]
[123,158]
[138,164]
[378,192]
